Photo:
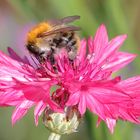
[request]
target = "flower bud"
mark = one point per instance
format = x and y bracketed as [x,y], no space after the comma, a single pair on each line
[62,123]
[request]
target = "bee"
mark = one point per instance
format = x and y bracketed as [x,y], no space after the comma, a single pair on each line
[48,39]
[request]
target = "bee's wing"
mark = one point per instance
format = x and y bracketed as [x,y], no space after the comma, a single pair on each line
[64,20]
[61,29]
[69,19]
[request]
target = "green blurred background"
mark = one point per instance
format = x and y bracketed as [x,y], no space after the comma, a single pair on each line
[120,16]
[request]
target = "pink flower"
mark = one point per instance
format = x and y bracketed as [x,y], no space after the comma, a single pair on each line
[90,85]
[84,83]
[23,86]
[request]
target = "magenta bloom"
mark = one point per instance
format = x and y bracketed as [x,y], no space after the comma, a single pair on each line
[90,84]
[85,83]
[23,86]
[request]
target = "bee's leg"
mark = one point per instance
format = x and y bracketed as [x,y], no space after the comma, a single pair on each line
[51,59]
[41,59]
[72,63]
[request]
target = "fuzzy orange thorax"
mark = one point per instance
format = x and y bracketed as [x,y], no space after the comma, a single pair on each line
[37,30]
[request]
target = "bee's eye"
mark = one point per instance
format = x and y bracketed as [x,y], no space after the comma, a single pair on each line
[33,49]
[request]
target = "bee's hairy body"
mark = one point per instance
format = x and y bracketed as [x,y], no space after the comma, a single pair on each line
[34,33]
[46,47]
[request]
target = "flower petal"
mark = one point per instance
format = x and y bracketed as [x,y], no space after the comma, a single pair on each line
[10,98]
[15,56]
[73,99]
[111,124]
[100,41]
[82,51]
[40,107]
[119,60]
[21,110]
[111,48]
[82,104]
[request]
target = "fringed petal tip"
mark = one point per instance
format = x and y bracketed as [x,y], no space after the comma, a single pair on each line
[102,27]
[111,123]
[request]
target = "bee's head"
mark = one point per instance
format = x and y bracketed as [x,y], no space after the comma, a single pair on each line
[32,48]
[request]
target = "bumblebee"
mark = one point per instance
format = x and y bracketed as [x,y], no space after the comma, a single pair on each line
[47,39]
